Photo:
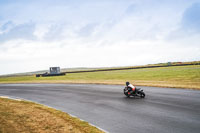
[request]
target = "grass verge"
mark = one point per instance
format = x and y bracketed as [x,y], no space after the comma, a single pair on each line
[175,77]
[27,117]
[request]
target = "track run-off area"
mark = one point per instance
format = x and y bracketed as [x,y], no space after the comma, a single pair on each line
[163,110]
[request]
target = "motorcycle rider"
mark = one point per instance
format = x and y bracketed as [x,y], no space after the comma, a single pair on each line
[131,88]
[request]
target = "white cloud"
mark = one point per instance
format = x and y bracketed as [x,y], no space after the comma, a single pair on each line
[90,34]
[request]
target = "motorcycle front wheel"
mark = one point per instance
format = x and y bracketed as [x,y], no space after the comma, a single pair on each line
[142,94]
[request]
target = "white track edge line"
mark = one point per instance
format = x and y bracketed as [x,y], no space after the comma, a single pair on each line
[19,99]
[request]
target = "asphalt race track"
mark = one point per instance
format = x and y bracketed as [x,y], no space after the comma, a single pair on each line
[164,110]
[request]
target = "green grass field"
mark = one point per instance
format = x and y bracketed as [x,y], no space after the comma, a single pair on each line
[176,76]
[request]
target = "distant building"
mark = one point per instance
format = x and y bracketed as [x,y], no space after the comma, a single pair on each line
[54,70]
[169,63]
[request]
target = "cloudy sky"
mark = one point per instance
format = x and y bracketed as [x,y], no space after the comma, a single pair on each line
[37,34]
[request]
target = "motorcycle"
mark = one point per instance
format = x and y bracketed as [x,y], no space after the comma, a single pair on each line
[137,92]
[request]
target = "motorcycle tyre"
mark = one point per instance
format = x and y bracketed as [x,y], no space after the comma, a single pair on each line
[142,94]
